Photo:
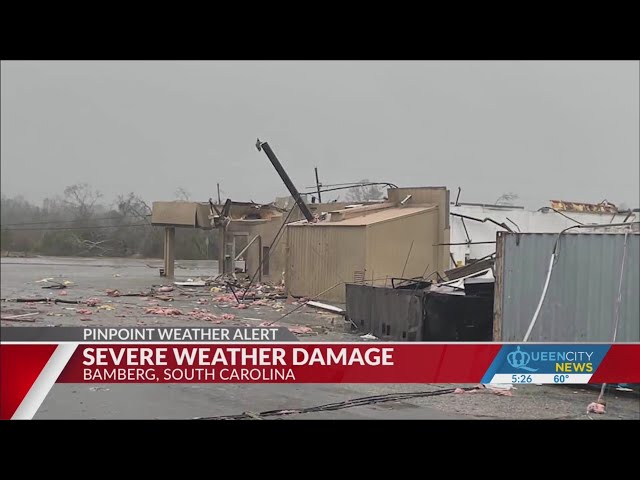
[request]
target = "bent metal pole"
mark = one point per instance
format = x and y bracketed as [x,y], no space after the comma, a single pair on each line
[285,178]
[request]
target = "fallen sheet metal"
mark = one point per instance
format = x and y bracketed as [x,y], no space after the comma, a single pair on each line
[191,284]
[325,306]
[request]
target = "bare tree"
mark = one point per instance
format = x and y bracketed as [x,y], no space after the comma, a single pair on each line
[133,206]
[364,193]
[182,194]
[81,199]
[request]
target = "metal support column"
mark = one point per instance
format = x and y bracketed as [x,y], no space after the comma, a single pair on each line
[169,251]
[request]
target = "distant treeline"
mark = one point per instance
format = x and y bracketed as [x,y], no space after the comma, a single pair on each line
[79,223]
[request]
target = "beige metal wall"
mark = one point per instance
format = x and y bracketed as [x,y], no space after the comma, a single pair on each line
[318,257]
[436,196]
[388,244]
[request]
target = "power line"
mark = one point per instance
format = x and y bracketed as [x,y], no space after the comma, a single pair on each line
[55,222]
[92,227]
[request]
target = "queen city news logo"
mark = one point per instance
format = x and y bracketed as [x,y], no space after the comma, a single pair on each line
[562,361]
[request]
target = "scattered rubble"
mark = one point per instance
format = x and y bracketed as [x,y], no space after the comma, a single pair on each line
[163,311]
[199,314]
[84,311]
[20,318]
[368,336]
[501,390]
[327,307]
[595,407]
[298,329]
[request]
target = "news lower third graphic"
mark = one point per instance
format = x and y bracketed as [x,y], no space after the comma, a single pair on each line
[570,363]
[32,360]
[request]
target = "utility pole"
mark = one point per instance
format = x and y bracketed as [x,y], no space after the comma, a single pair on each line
[318,185]
[219,203]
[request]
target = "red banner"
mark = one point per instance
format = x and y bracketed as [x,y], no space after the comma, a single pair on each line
[278,363]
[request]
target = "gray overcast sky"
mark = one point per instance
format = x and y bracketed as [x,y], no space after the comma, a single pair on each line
[562,130]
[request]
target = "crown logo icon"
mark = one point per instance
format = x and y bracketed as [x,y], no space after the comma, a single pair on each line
[520,360]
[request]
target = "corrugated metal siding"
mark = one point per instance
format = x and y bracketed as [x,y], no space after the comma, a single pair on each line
[318,258]
[388,245]
[581,299]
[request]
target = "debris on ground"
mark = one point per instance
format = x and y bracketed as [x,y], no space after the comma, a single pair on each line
[204,315]
[326,306]
[106,307]
[20,318]
[166,289]
[299,329]
[368,336]
[92,302]
[242,306]
[224,299]
[163,311]
[85,319]
[164,298]
[84,311]
[595,407]
[191,283]
[113,293]
[228,316]
[501,390]
[262,303]
[62,292]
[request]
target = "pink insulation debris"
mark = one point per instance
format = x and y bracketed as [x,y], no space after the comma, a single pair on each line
[163,311]
[165,289]
[84,311]
[299,329]
[595,407]
[242,306]
[113,293]
[92,302]
[62,292]
[202,315]
[261,302]
[224,299]
[228,316]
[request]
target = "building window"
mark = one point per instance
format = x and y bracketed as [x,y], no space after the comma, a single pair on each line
[265,260]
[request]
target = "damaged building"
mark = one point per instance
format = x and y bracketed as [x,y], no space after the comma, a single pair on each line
[397,238]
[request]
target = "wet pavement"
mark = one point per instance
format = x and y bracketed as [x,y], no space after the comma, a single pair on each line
[92,277]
